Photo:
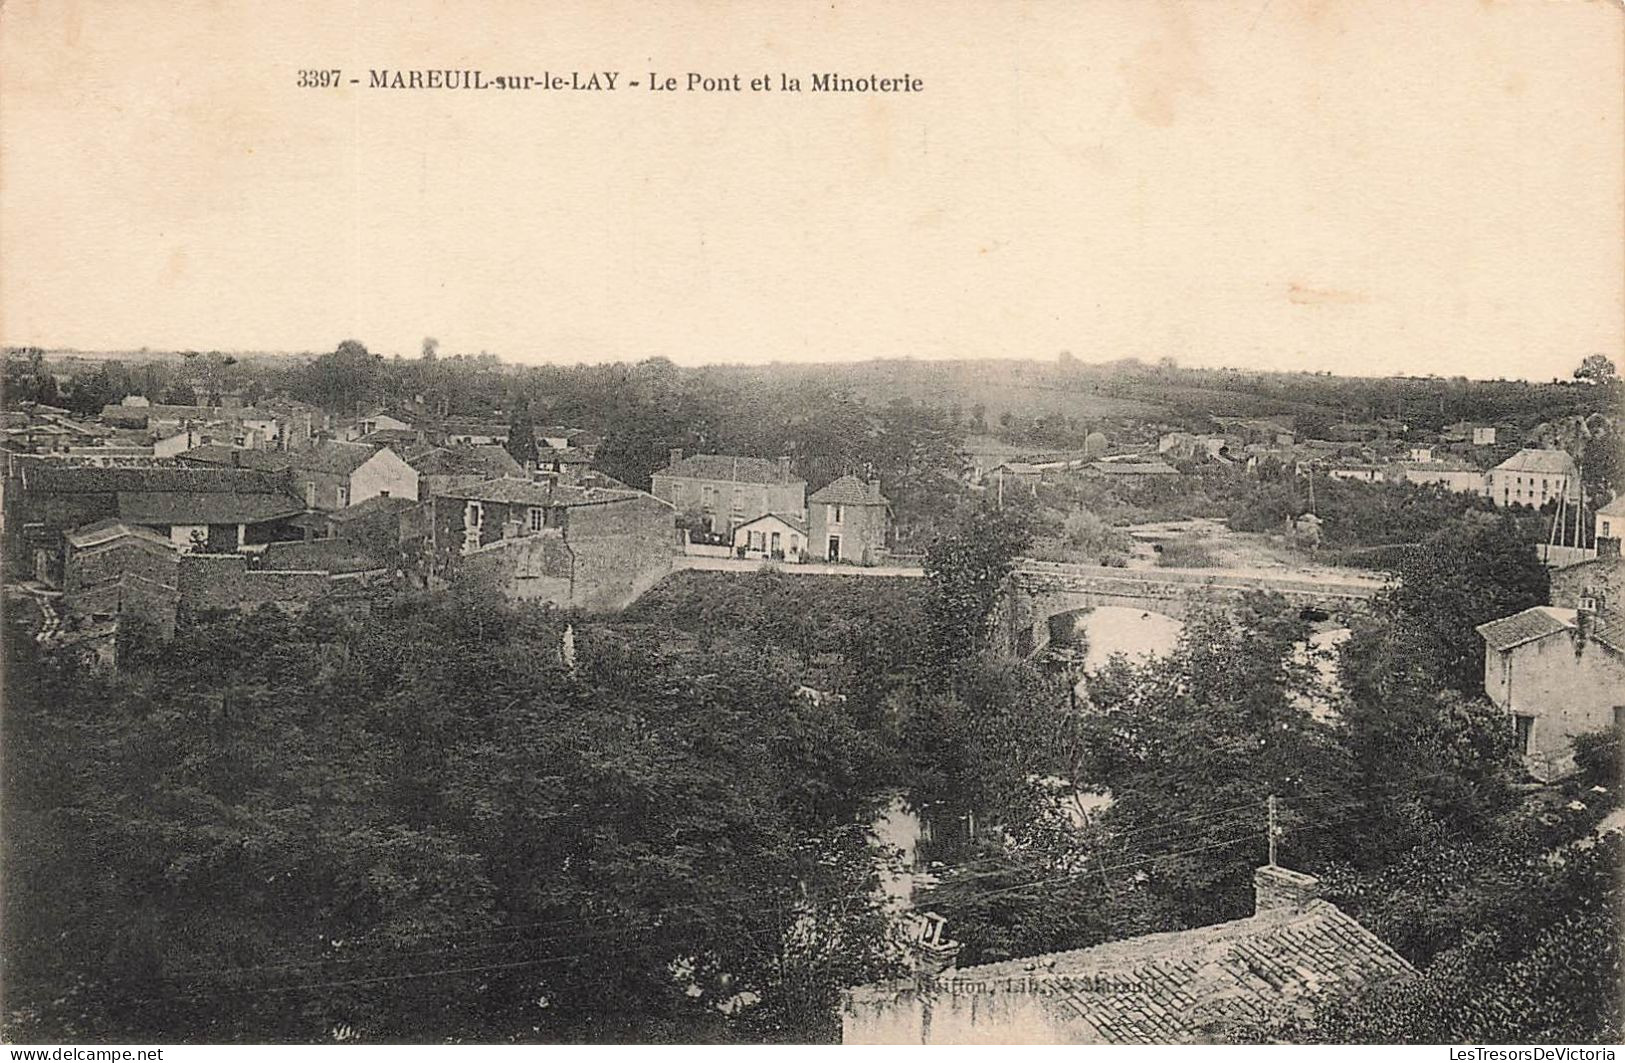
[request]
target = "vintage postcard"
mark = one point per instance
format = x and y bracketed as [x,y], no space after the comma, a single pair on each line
[812,523]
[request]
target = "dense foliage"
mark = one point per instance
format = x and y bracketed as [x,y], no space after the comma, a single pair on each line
[424,825]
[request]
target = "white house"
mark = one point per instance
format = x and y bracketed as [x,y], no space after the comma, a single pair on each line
[771,536]
[1611,524]
[1533,478]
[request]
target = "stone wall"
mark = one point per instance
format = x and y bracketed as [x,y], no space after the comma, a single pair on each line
[210,582]
[621,548]
[1603,578]
[530,568]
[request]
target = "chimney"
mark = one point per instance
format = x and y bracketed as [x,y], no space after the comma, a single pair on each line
[874,490]
[784,470]
[931,952]
[1277,889]
[676,456]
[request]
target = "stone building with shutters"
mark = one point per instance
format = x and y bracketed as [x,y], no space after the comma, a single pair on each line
[850,521]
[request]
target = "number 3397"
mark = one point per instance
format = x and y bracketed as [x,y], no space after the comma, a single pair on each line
[318,79]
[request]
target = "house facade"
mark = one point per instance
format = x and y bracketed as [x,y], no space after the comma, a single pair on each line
[590,549]
[334,475]
[850,521]
[1610,527]
[1558,672]
[1533,478]
[771,537]
[722,491]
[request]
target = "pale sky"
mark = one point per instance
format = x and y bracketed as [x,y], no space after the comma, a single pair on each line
[1370,187]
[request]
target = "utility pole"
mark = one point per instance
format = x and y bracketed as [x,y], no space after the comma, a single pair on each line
[1274,831]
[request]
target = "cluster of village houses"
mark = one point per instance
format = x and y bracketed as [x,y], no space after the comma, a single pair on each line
[158,512]
[163,511]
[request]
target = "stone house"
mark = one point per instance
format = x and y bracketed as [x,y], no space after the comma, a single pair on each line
[1558,672]
[112,570]
[335,475]
[1171,988]
[593,549]
[722,491]
[771,537]
[850,521]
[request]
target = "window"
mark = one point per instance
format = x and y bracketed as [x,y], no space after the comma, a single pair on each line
[537,515]
[758,540]
[474,516]
[310,495]
[1605,532]
[836,513]
[708,497]
[1526,733]
[342,493]
[738,500]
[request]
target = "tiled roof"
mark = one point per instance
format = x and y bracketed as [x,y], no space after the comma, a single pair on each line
[205,507]
[728,467]
[1616,508]
[1541,461]
[795,523]
[1169,988]
[369,507]
[339,459]
[89,479]
[111,530]
[847,491]
[1527,626]
[386,436]
[238,457]
[486,460]
[1134,468]
[1608,628]
[503,489]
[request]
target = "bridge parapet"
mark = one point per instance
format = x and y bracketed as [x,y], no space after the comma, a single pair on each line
[1037,591]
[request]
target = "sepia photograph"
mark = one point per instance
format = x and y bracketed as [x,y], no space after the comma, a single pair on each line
[1060,522]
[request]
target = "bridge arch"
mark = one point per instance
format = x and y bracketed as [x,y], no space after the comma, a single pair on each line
[1037,590]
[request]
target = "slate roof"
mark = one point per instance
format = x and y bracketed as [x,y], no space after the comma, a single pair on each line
[847,491]
[1530,625]
[1169,988]
[1539,461]
[728,467]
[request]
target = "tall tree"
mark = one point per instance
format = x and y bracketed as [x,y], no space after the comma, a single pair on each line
[522,435]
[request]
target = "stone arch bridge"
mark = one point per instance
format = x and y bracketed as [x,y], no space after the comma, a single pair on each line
[1039,590]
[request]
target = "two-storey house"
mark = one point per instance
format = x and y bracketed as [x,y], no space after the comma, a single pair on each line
[719,492]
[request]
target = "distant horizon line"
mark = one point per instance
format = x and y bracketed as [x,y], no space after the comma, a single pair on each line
[1129,360]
